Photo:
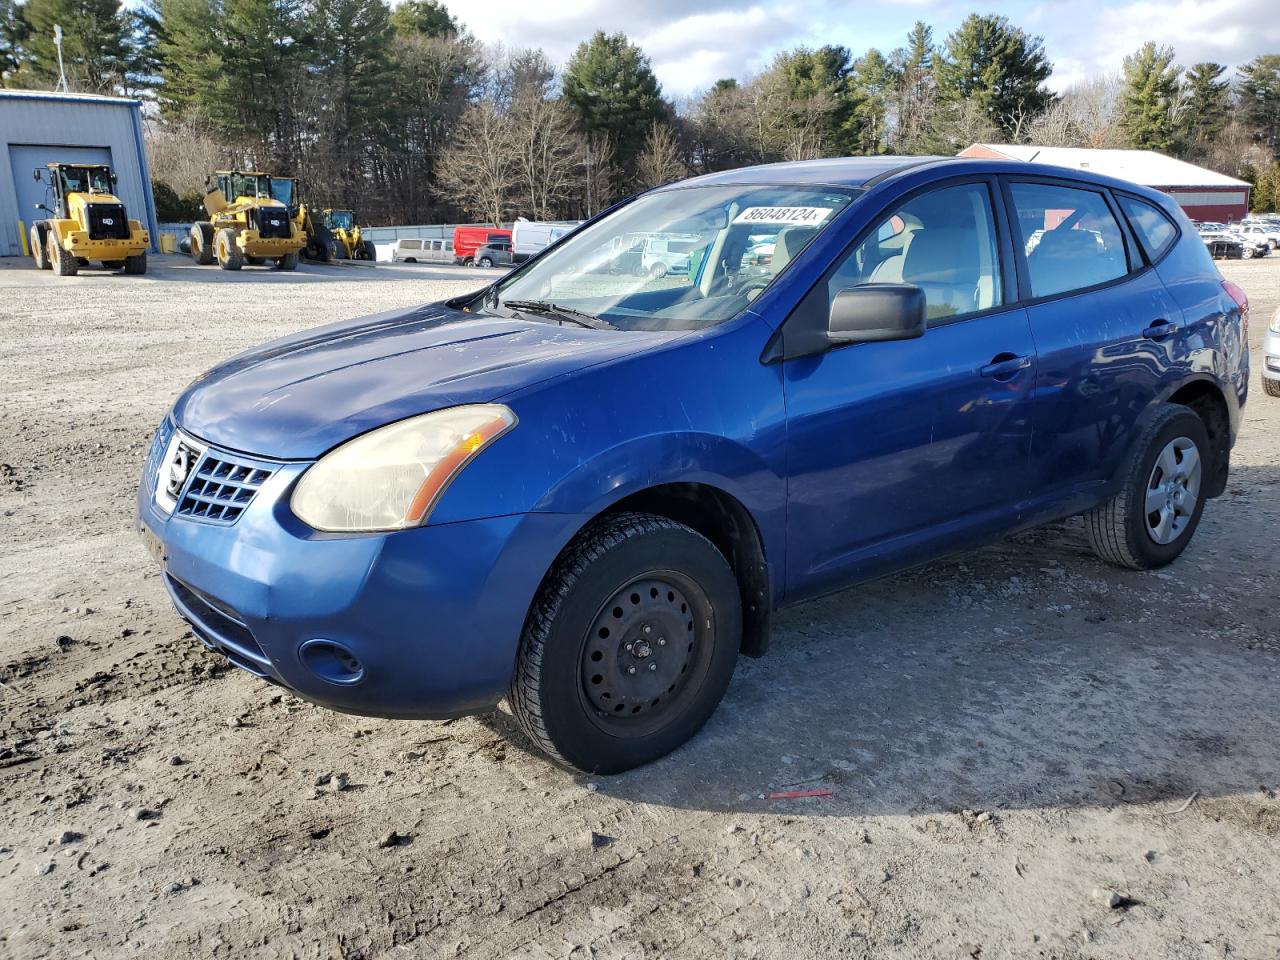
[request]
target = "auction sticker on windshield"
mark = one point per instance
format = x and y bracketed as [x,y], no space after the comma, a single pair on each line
[789,215]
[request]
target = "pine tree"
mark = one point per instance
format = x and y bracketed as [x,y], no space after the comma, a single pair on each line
[611,85]
[814,88]
[96,48]
[916,86]
[13,30]
[1259,92]
[871,87]
[1206,106]
[424,18]
[348,69]
[1147,101]
[996,66]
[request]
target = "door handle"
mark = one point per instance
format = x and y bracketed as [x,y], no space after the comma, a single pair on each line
[1005,366]
[1160,329]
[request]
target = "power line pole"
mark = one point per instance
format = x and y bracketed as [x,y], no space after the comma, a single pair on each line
[62,73]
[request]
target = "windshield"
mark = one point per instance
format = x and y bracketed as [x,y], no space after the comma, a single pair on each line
[282,190]
[341,220]
[679,259]
[250,185]
[86,179]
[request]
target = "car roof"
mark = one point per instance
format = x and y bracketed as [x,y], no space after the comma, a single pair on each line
[863,172]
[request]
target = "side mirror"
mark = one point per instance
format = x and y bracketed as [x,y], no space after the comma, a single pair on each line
[35,174]
[877,311]
[114,178]
[41,206]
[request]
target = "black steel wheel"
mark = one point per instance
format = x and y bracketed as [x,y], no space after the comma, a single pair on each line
[630,645]
[648,647]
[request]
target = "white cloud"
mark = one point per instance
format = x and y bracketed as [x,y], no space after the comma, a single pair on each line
[693,46]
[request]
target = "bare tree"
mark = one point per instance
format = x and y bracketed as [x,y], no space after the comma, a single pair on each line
[659,161]
[478,168]
[182,155]
[546,153]
[599,172]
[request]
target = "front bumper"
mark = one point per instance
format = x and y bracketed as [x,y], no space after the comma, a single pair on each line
[433,615]
[1271,356]
[254,244]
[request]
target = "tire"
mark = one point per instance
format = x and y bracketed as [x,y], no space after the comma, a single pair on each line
[486,262]
[1121,531]
[136,264]
[202,243]
[64,265]
[657,272]
[288,262]
[39,251]
[225,250]
[367,251]
[1246,253]
[669,578]
[1271,387]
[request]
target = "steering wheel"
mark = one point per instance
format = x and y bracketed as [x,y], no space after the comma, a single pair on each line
[756,283]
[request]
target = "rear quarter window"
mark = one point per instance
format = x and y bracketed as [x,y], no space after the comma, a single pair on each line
[1070,240]
[1156,232]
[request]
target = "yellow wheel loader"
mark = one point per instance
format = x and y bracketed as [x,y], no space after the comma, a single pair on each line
[86,222]
[246,224]
[333,235]
[342,225]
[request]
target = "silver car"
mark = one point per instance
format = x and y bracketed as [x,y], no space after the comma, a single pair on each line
[1271,357]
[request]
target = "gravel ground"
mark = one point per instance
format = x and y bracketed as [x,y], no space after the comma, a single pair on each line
[1030,754]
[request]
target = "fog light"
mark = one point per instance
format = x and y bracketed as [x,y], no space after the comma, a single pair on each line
[332,662]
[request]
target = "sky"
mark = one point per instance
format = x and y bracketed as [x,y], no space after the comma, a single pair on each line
[691,45]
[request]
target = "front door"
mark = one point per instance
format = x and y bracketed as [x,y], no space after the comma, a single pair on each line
[902,449]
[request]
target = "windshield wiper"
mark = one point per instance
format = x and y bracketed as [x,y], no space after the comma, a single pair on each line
[561,312]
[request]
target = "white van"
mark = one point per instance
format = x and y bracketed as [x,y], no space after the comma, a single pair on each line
[422,251]
[531,236]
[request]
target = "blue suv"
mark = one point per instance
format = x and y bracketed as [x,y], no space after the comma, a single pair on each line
[586,490]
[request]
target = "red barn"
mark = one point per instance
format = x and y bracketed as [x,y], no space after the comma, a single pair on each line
[1203,194]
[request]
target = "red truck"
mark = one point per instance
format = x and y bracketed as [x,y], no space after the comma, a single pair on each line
[467,240]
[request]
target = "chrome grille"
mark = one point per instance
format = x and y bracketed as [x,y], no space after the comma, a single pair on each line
[159,444]
[222,485]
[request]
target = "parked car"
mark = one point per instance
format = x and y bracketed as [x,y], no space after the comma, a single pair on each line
[1250,246]
[1222,245]
[467,240]
[408,250]
[586,492]
[529,237]
[497,254]
[1271,357]
[1260,232]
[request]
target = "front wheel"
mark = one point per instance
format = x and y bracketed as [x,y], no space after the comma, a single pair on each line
[486,262]
[137,264]
[630,645]
[1271,387]
[288,262]
[1155,514]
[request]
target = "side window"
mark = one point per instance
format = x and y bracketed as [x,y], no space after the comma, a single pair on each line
[943,242]
[1153,227]
[1069,237]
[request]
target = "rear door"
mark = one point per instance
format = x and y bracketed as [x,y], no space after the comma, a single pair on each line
[1105,331]
[900,450]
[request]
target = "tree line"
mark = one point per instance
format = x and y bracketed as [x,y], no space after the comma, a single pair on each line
[402,115]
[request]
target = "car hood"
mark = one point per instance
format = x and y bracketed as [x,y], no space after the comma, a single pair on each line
[295,398]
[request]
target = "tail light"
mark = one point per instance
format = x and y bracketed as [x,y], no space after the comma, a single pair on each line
[1236,293]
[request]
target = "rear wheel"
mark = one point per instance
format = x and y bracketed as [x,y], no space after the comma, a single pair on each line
[39,252]
[367,251]
[137,264]
[202,243]
[1271,387]
[225,250]
[64,265]
[1155,514]
[630,645]
[486,262]
[657,271]
[288,262]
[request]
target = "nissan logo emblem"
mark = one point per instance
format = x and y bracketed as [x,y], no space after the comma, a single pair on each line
[179,468]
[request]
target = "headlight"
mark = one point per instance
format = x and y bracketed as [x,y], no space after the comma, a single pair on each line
[392,477]
[1274,325]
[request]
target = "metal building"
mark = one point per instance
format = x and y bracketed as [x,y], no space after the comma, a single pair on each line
[1202,194]
[38,127]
